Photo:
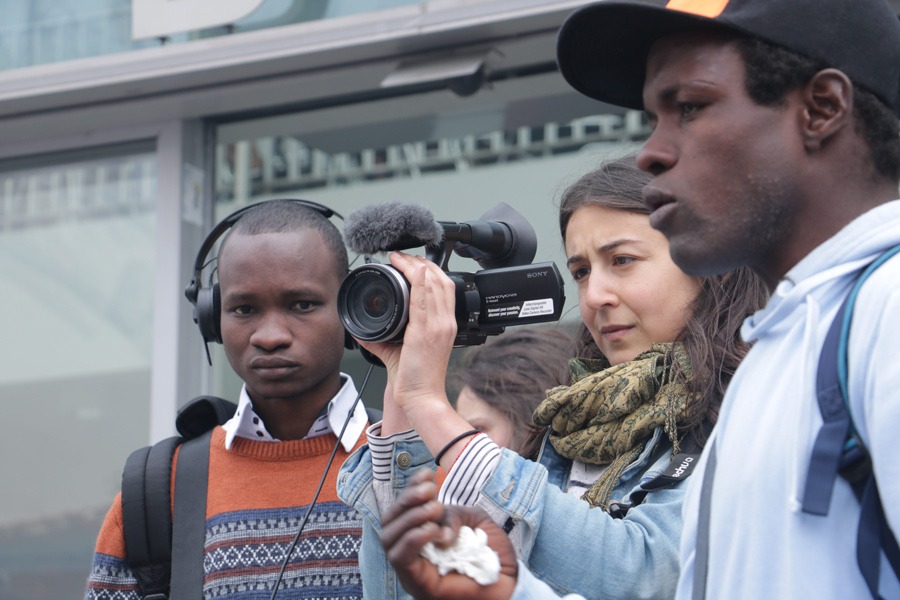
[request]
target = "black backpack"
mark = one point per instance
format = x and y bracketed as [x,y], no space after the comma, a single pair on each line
[154,538]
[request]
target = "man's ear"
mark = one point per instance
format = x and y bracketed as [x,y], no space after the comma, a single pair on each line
[828,98]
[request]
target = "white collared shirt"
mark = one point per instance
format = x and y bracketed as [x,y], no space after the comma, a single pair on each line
[247,424]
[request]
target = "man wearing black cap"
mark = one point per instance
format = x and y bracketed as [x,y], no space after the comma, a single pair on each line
[775,145]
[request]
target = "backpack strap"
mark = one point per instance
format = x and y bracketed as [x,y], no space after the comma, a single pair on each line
[838,448]
[147,518]
[834,436]
[146,495]
[680,467]
[189,525]
[202,414]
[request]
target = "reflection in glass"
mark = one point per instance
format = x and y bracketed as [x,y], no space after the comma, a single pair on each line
[77,242]
[272,165]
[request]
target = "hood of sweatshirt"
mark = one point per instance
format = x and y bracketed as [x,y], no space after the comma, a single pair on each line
[814,281]
[788,334]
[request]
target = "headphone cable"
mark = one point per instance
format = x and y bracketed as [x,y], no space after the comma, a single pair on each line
[312,503]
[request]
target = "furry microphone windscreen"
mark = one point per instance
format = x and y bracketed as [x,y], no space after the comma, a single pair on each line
[391,226]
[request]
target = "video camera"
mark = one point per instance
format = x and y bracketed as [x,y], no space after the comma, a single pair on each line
[373,301]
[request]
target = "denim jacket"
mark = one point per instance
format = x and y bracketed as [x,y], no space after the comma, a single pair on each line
[564,542]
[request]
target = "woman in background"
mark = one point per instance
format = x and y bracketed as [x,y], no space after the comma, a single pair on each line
[499,384]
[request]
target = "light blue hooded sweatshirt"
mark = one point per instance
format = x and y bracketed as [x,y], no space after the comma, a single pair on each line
[761,544]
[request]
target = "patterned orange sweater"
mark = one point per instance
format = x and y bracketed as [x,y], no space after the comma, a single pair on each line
[257,494]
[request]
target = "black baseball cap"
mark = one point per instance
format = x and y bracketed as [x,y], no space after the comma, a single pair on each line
[602,48]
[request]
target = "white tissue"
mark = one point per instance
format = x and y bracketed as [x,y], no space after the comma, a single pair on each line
[469,555]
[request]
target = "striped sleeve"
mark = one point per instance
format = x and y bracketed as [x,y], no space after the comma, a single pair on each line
[470,471]
[382,449]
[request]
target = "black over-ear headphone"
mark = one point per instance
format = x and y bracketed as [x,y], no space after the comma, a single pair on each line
[206,300]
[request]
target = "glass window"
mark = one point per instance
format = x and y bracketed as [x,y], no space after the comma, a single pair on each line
[77,267]
[458,159]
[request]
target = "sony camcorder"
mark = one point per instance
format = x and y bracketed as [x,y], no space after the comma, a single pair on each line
[373,301]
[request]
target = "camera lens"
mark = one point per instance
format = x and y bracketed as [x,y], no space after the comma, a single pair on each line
[370,301]
[373,303]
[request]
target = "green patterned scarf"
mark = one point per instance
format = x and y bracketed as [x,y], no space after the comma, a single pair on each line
[606,416]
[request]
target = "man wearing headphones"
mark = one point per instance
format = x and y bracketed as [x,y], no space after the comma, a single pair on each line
[275,311]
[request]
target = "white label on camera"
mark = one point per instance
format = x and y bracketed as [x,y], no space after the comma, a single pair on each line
[534,308]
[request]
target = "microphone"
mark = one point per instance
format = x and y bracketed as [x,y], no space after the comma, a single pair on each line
[391,226]
[501,238]
[481,240]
